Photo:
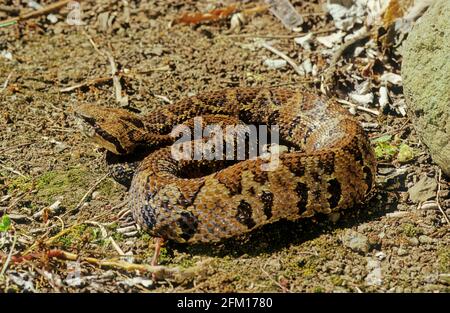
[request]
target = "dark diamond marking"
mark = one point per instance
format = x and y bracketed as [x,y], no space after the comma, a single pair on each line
[334,189]
[267,200]
[358,155]
[327,165]
[244,214]
[148,215]
[245,116]
[368,177]
[302,192]
[188,224]
[298,169]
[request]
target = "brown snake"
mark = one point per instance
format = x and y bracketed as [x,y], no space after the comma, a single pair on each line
[332,168]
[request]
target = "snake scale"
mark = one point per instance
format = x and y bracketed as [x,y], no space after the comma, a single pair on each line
[332,166]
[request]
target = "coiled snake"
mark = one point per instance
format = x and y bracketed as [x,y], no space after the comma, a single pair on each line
[332,167]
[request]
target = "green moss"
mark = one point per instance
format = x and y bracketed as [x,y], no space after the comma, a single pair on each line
[108,188]
[337,280]
[187,262]
[70,184]
[164,257]
[318,289]
[411,231]
[308,266]
[20,183]
[97,237]
[73,237]
[444,259]
[112,227]
[117,236]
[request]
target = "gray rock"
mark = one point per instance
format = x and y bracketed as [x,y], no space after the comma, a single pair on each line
[355,241]
[402,252]
[374,277]
[425,239]
[426,77]
[394,180]
[413,241]
[423,190]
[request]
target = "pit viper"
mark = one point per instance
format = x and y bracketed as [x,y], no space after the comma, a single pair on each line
[330,167]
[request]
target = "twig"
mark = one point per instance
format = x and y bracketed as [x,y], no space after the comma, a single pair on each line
[9,9]
[94,45]
[50,240]
[106,236]
[283,56]
[283,288]
[337,55]
[116,246]
[8,259]
[15,147]
[279,36]
[5,84]
[20,197]
[61,221]
[87,194]
[160,272]
[437,197]
[11,170]
[33,14]
[164,98]
[122,100]
[393,131]
[361,108]
[87,83]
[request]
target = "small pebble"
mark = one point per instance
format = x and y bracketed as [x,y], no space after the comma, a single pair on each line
[95,195]
[334,217]
[275,64]
[413,241]
[402,252]
[19,218]
[425,239]
[355,241]
[380,255]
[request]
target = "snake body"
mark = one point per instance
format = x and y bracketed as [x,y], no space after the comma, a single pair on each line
[332,168]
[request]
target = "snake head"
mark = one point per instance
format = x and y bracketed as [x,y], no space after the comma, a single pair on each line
[116,130]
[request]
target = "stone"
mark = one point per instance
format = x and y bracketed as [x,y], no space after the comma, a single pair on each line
[395,180]
[423,190]
[425,239]
[426,75]
[334,217]
[413,241]
[374,277]
[355,241]
[402,252]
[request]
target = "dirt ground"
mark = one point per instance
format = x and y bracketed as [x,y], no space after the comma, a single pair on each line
[52,183]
